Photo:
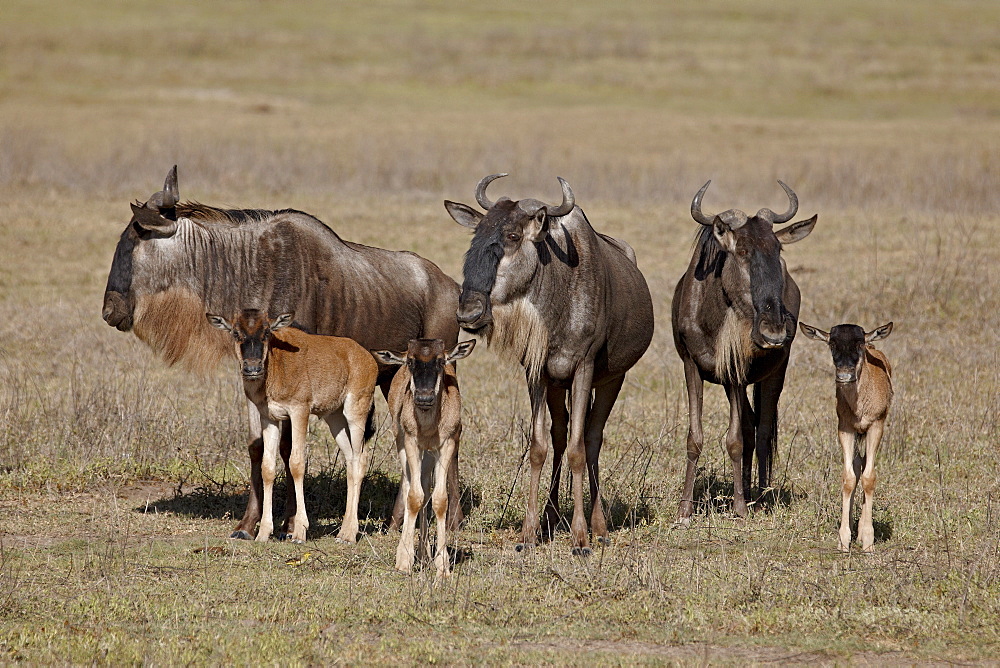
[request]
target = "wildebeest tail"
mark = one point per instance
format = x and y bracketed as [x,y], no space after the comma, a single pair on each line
[370,423]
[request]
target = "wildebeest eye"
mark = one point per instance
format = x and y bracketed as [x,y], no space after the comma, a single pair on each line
[513,236]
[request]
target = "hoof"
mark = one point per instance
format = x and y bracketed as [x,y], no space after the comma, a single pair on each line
[521,547]
[604,540]
[241,535]
[582,551]
[297,541]
[682,523]
[345,540]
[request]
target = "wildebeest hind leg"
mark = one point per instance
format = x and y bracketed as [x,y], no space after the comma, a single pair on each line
[576,453]
[556,400]
[604,400]
[695,439]
[766,395]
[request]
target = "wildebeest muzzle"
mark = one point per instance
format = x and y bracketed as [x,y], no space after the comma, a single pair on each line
[474,311]
[117,311]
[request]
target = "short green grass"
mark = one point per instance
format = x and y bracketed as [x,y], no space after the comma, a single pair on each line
[120,479]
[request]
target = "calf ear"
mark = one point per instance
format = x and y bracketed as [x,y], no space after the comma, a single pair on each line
[878,334]
[283,320]
[461,350]
[389,358]
[463,214]
[814,333]
[796,231]
[219,322]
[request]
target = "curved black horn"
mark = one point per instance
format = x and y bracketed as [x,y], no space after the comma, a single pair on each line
[793,205]
[696,206]
[569,201]
[481,190]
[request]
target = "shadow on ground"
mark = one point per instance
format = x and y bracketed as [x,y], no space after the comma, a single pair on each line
[326,498]
[714,493]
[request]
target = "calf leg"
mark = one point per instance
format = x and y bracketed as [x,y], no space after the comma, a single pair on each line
[734,445]
[440,502]
[866,529]
[604,400]
[296,467]
[846,437]
[268,464]
[245,529]
[538,452]
[342,434]
[414,496]
[695,439]
[555,398]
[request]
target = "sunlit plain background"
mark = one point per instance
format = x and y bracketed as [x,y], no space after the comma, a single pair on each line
[885,119]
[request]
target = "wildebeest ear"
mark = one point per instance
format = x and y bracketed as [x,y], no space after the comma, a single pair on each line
[283,320]
[538,228]
[219,322]
[389,358]
[878,334]
[461,350]
[796,231]
[814,333]
[723,234]
[463,214]
[151,220]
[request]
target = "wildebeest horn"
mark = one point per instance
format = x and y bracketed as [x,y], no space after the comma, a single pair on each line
[568,201]
[166,198]
[481,190]
[793,205]
[696,206]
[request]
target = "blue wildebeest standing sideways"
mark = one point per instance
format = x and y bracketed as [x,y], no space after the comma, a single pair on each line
[571,306]
[176,261]
[864,393]
[734,316]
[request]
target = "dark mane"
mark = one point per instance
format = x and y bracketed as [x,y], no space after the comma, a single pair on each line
[210,214]
[710,254]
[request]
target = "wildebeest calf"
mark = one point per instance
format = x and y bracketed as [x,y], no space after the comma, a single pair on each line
[864,392]
[288,375]
[426,410]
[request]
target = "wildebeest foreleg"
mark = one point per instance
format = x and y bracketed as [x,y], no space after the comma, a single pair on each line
[748,429]
[604,400]
[285,450]
[695,438]
[439,501]
[576,454]
[536,455]
[766,395]
[556,400]
[295,465]
[245,529]
[734,445]
[866,528]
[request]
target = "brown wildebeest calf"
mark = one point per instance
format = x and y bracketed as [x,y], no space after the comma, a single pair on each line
[426,410]
[864,392]
[288,375]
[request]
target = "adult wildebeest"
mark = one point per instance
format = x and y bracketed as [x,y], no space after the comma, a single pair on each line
[734,315]
[864,394]
[426,409]
[176,261]
[289,375]
[571,306]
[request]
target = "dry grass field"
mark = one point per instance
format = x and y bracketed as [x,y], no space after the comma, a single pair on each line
[120,478]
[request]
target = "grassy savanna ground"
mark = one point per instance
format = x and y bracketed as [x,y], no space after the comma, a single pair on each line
[120,478]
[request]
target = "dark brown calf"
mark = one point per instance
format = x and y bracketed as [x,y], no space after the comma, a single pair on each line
[426,410]
[864,393]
